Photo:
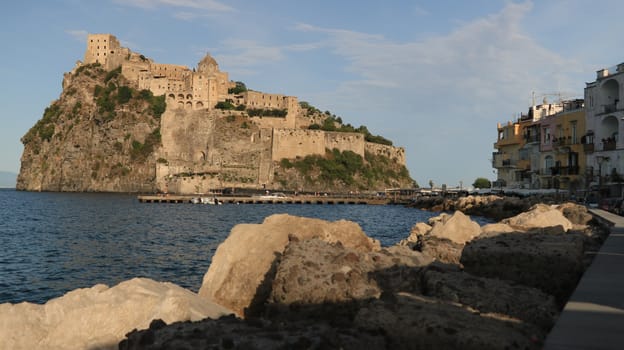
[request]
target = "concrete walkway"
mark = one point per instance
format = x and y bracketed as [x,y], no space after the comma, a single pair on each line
[593,318]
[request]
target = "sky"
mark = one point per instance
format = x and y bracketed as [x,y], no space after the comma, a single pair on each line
[435,77]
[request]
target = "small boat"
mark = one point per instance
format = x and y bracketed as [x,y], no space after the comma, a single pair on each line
[206,200]
[277,195]
[210,200]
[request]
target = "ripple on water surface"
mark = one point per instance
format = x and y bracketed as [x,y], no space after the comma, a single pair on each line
[51,243]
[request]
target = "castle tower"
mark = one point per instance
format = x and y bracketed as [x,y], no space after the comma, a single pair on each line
[103,49]
[209,84]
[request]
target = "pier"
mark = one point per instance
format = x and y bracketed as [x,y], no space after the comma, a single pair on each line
[263,200]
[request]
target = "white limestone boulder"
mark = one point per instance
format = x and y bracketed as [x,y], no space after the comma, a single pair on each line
[457,228]
[244,265]
[419,229]
[99,317]
[490,230]
[538,217]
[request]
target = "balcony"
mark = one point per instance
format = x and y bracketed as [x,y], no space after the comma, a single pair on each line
[531,138]
[609,144]
[588,147]
[609,108]
[502,160]
[564,170]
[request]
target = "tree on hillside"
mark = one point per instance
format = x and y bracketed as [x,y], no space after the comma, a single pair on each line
[482,182]
[239,88]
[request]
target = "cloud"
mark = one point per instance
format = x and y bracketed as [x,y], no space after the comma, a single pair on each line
[489,60]
[193,9]
[441,96]
[419,11]
[243,55]
[78,34]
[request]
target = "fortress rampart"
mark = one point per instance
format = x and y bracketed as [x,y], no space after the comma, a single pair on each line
[345,141]
[395,153]
[293,143]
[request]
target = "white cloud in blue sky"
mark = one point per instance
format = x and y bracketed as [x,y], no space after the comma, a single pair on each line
[433,77]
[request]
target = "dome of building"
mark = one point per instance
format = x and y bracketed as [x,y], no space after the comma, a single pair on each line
[207,65]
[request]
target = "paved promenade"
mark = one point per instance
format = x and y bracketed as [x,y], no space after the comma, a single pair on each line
[593,318]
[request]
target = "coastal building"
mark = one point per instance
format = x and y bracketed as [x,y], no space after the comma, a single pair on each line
[562,161]
[605,119]
[506,158]
[542,149]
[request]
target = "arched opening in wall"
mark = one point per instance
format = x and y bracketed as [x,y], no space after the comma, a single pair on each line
[199,104]
[609,128]
[180,97]
[172,96]
[180,104]
[610,89]
[189,105]
[189,97]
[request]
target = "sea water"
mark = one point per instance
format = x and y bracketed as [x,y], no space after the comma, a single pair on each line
[51,243]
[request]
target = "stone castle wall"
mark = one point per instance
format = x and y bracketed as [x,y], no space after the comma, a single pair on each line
[293,143]
[395,153]
[208,149]
[345,141]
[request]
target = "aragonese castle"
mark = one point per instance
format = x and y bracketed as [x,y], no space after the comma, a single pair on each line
[184,88]
[213,134]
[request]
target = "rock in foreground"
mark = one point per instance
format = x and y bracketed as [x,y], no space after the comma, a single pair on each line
[243,267]
[99,317]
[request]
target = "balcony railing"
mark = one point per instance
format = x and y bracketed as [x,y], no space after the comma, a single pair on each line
[588,147]
[532,138]
[609,144]
[564,170]
[610,108]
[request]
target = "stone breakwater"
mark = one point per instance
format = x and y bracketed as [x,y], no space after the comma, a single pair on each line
[490,206]
[293,282]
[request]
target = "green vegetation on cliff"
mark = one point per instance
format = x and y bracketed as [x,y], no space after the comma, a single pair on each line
[100,135]
[239,88]
[45,127]
[346,169]
[333,123]
[109,98]
[140,151]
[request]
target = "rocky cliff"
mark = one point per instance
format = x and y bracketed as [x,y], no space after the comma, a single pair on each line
[100,135]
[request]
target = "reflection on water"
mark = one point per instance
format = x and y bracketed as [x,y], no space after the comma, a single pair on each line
[51,243]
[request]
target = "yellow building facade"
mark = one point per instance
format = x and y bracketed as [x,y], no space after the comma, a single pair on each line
[543,149]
